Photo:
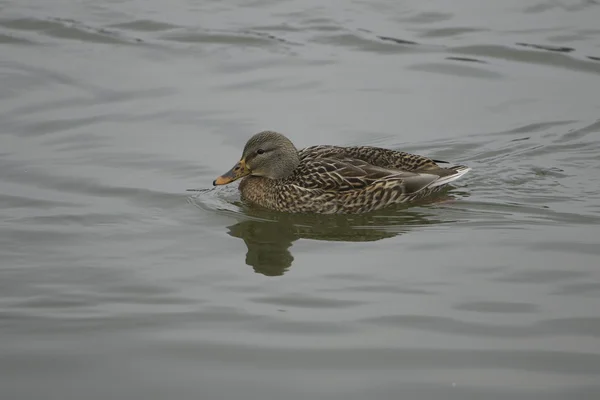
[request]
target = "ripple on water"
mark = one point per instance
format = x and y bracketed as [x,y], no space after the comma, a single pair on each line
[62,28]
[465,71]
[306,301]
[556,59]
[342,358]
[145,25]
[542,277]
[503,307]
[579,289]
[585,327]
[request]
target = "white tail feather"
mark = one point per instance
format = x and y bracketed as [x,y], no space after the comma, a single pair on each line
[460,171]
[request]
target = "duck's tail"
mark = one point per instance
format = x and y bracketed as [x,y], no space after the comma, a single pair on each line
[454,173]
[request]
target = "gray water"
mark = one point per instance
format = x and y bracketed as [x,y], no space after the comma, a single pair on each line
[116,282]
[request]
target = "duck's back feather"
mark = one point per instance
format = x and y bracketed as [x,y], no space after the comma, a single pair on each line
[375,156]
[345,174]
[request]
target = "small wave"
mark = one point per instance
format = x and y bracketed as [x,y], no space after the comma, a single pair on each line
[244,38]
[220,200]
[548,58]
[63,28]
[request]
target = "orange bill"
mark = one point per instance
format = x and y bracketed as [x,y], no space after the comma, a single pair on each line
[238,171]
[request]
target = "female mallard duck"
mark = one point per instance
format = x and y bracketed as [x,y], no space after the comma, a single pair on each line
[332,179]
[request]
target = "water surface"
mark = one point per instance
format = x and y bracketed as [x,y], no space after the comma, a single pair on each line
[116,282]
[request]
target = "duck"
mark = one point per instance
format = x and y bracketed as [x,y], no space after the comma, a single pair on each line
[329,179]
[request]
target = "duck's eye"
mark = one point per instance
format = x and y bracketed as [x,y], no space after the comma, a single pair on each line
[260,151]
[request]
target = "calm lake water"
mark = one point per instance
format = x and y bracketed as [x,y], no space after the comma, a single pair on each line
[116,282]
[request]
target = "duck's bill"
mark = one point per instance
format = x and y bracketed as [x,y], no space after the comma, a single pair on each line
[238,171]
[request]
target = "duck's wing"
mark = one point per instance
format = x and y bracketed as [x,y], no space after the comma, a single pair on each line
[376,156]
[344,174]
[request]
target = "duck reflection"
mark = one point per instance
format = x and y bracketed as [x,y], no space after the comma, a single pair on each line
[269,236]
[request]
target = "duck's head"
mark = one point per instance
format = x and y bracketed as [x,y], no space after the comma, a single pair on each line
[268,154]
